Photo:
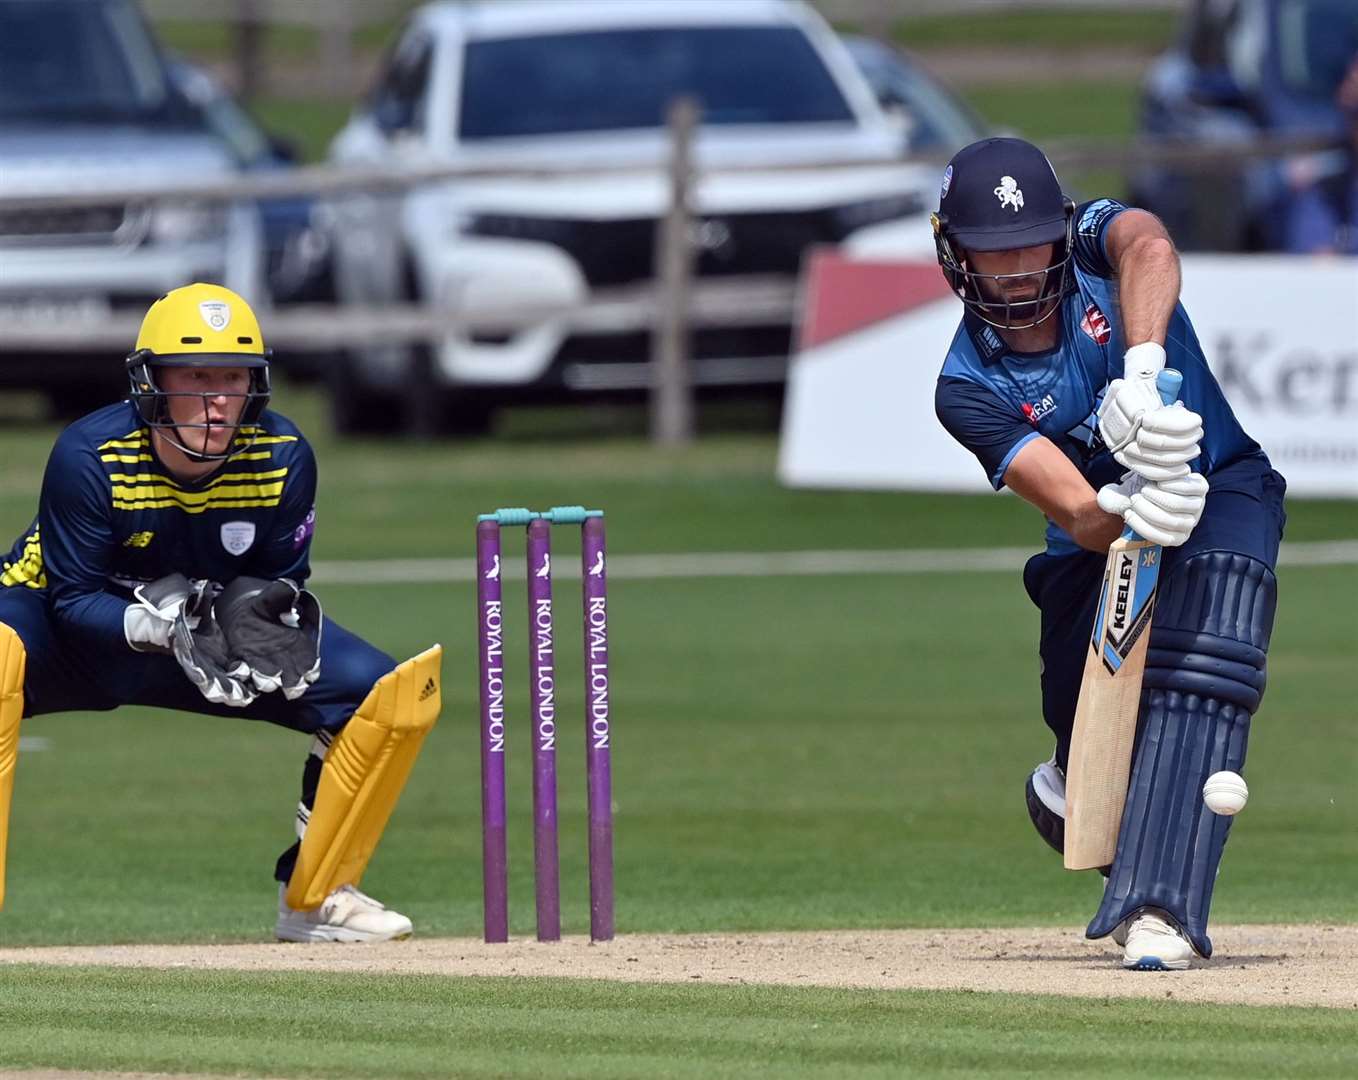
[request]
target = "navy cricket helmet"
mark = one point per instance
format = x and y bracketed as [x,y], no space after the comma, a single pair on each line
[999,195]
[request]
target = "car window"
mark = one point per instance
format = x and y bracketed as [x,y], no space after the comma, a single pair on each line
[619,79]
[398,100]
[938,121]
[69,59]
[1317,40]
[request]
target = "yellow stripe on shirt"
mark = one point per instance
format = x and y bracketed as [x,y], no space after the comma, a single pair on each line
[194,501]
[29,569]
[156,478]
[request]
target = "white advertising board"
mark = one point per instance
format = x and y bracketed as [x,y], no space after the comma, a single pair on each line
[1280,334]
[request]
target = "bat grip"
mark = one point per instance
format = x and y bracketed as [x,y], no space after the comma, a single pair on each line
[1168,382]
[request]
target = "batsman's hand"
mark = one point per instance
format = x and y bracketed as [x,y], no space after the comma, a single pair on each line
[1166,440]
[206,658]
[149,621]
[1163,511]
[275,628]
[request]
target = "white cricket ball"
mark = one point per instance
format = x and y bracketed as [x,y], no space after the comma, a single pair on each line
[1225,793]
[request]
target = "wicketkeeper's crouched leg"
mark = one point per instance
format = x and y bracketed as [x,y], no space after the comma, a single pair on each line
[356,776]
[12,658]
[1205,675]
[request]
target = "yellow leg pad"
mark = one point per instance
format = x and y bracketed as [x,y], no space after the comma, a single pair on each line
[362,777]
[12,658]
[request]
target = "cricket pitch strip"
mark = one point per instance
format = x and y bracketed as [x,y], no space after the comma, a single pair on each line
[1314,965]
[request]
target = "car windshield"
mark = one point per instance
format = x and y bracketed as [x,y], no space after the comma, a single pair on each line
[617,79]
[73,60]
[1317,40]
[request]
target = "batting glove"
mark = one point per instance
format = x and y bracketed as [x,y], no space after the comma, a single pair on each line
[1166,440]
[1165,511]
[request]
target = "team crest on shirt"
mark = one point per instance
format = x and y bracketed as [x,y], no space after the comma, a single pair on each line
[237,536]
[1009,193]
[216,313]
[1096,325]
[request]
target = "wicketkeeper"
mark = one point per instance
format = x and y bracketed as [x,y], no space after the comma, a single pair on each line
[1067,311]
[167,566]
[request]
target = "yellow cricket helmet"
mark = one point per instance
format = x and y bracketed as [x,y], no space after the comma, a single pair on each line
[198,325]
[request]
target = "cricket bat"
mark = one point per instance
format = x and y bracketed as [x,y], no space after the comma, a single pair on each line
[1110,692]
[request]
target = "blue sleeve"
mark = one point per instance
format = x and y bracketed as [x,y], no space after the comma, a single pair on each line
[75,515]
[286,552]
[984,424]
[1091,226]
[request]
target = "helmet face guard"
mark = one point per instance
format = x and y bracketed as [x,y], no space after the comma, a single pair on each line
[989,304]
[153,403]
[198,326]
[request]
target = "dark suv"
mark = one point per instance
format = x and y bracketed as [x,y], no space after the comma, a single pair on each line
[1242,70]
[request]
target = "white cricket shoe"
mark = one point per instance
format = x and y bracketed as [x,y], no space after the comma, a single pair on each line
[345,915]
[1154,944]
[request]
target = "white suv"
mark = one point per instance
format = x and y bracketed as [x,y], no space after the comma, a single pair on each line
[540,84]
[87,102]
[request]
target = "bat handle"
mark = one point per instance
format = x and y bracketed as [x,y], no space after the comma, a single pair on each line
[1168,382]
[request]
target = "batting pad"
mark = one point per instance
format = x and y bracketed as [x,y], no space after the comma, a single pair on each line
[364,772]
[1205,677]
[12,658]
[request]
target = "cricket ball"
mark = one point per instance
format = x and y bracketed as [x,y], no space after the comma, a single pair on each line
[1225,793]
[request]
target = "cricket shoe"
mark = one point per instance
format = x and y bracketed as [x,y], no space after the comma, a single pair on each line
[345,915]
[1154,944]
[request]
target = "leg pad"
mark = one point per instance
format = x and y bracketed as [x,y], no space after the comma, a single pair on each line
[12,658]
[1205,676]
[364,772]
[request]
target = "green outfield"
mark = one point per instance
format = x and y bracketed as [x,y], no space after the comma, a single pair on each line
[331,1025]
[790,752]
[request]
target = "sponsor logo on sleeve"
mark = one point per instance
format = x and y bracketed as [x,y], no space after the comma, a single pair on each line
[1095,324]
[1096,213]
[302,533]
[1035,413]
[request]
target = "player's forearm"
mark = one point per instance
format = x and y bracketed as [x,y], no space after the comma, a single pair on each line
[1090,527]
[1148,287]
[93,618]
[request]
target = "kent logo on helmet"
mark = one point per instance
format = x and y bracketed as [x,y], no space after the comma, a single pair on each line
[200,370]
[1002,195]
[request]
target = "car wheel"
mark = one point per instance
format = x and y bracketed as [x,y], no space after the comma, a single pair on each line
[355,407]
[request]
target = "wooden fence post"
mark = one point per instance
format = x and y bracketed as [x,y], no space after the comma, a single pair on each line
[672,407]
[249,49]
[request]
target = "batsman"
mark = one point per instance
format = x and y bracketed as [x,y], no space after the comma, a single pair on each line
[1070,314]
[167,567]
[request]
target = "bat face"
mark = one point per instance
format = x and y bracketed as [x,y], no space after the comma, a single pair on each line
[1128,600]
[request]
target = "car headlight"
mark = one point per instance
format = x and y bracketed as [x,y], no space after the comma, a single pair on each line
[179,223]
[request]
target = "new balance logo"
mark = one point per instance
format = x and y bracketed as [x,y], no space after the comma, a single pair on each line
[430,689]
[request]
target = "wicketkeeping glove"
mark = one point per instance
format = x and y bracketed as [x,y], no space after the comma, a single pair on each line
[1164,511]
[275,628]
[205,655]
[148,622]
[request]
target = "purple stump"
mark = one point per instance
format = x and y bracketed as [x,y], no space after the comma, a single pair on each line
[542,676]
[490,650]
[597,736]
